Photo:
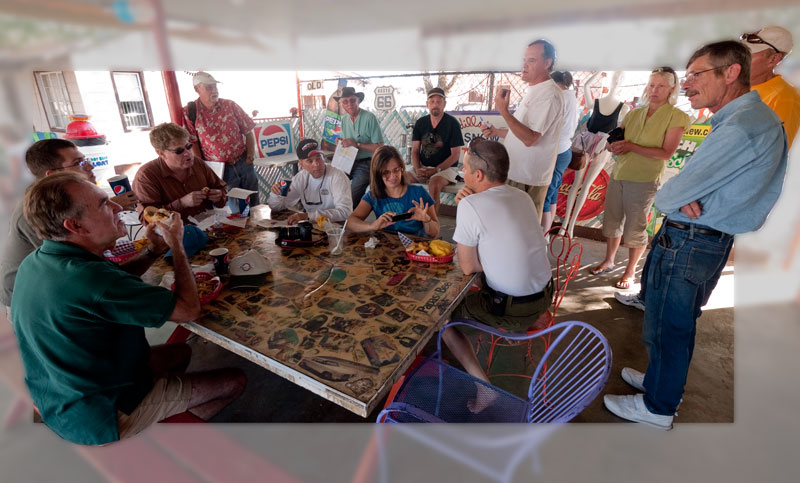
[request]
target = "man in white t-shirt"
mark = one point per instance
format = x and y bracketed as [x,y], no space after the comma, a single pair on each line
[535,127]
[496,235]
[322,189]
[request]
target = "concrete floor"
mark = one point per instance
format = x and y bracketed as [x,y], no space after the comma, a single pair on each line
[709,390]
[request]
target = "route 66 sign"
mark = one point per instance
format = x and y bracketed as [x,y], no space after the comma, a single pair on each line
[384,98]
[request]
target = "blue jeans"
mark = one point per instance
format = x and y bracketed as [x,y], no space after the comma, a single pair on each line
[359,179]
[241,175]
[683,267]
[562,161]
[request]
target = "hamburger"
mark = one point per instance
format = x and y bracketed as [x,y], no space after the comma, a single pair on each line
[153,214]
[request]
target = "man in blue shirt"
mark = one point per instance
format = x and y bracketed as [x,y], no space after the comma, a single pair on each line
[727,187]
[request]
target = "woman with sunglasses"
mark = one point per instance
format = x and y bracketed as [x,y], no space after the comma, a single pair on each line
[322,189]
[176,180]
[389,195]
[652,134]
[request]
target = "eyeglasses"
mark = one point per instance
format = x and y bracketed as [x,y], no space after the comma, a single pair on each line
[388,172]
[82,164]
[319,192]
[473,145]
[692,76]
[755,39]
[180,151]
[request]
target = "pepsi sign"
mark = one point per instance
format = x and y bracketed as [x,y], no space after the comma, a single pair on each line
[273,139]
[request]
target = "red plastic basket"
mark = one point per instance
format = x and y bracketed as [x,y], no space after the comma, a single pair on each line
[422,258]
[121,252]
[214,293]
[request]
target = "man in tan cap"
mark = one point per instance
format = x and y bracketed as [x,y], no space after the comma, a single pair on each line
[768,47]
[222,131]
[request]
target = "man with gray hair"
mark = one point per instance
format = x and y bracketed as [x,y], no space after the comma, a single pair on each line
[494,238]
[728,186]
[80,319]
[535,127]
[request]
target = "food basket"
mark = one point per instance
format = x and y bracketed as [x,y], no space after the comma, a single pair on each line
[121,252]
[206,278]
[407,242]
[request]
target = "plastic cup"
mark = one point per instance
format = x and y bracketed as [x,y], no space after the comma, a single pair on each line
[119,184]
[335,240]
[220,260]
[285,184]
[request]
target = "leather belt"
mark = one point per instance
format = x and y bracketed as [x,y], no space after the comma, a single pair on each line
[525,298]
[697,229]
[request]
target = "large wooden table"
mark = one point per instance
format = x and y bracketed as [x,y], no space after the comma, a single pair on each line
[344,327]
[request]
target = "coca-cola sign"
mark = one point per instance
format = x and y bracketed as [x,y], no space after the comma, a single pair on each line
[595,200]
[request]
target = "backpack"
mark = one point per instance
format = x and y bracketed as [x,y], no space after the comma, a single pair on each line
[192,108]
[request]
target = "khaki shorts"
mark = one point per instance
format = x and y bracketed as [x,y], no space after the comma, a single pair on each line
[449,174]
[170,395]
[625,214]
[537,194]
[518,317]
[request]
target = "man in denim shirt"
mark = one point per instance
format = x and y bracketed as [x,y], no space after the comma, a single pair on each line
[727,187]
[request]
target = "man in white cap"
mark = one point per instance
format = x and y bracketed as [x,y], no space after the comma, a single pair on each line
[222,131]
[768,47]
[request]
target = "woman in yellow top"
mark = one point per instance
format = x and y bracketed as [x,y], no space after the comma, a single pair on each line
[652,134]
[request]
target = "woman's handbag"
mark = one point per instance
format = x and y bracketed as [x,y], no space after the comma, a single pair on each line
[578,161]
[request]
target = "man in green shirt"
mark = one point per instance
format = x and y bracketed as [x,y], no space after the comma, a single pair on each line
[79,321]
[360,128]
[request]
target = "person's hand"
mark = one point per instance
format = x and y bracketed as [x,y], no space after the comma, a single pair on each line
[489,131]
[463,193]
[157,243]
[126,200]
[429,172]
[296,218]
[193,199]
[215,196]
[348,142]
[501,99]
[421,173]
[276,188]
[420,211]
[693,210]
[382,221]
[250,158]
[172,233]
[619,147]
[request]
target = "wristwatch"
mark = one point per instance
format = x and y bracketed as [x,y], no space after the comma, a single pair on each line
[438,169]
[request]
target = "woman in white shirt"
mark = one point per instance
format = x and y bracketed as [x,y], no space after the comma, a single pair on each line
[322,189]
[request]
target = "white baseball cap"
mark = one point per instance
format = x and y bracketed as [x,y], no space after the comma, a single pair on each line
[248,269]
[204,78]
[769,37]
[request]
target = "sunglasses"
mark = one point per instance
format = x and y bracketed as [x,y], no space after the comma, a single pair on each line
[755,39]
[180,151]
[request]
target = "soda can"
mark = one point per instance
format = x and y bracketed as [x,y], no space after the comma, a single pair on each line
[285,183]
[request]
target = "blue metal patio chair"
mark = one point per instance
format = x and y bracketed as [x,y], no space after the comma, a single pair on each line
[572,371]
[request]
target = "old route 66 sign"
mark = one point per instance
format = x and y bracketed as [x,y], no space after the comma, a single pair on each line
[384,98]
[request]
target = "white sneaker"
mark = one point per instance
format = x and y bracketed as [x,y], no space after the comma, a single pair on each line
[634,378]
[632,408]
[630,299]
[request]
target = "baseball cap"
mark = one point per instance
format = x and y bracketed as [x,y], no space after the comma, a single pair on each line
[436,91]
[769,37]
[204,78]
[307,148]
[248,269]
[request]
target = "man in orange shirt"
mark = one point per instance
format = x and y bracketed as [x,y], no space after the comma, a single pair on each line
[768,47]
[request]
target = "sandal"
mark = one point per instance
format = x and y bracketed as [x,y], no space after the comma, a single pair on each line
[599,269]
[624,283]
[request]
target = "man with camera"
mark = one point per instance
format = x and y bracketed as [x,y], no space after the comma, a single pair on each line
[534,129]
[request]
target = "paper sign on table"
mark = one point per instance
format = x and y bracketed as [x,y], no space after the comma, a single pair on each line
[240,193]
[343,158]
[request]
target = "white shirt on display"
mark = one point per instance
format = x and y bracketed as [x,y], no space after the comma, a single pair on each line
[511,249]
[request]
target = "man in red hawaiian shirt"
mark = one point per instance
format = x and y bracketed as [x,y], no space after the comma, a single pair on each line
[221,131]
